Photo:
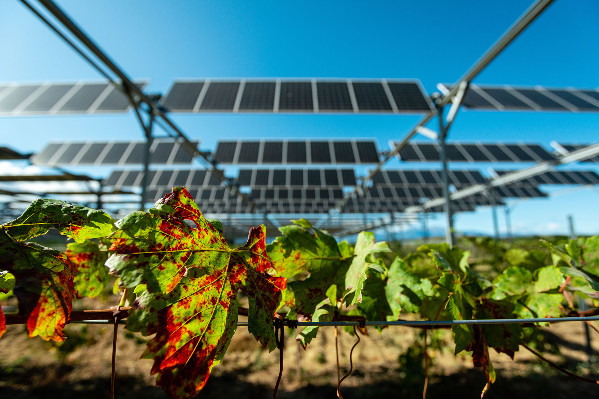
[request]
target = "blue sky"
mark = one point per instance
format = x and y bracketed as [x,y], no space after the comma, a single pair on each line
[433,41]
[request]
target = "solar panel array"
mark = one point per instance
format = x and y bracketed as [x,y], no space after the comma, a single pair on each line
[308,95]
[422,177]
[68,98]
[297,152]
[475,152]
[166,179]
[500,98]
[112,153]
[296,177]
[587,177]
[575,147]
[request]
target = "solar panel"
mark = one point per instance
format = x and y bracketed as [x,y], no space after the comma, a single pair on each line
[296,152]
[424,178]
[297,177]
[183,96]
[83,98]
[519,191]
[475,152]
[220,96]
[371,96]
[103,153]
[334,96]
[320,152]
[47,99]
[408,96]
[16,96]
[297,96]
[587,177]
[531,98]
[258,96]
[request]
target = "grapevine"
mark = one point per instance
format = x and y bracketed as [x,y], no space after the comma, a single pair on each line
[180,280]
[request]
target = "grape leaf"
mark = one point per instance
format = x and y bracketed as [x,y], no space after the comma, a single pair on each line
[356,274]
[312,261]
[186,279]
[548,278]
[404,289]
[75,221]
[88,258]
[43,285]
[514,280]
[374,305]
[324,312]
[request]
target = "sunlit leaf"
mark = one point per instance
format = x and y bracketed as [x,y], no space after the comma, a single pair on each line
[43,285]
[88,259]
[75,221]
[366,246]
[186,279]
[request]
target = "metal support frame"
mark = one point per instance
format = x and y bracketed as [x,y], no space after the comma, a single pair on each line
[508,222]
[494,213]
[442,136]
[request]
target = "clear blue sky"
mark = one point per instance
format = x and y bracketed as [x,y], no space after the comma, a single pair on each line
[433,41]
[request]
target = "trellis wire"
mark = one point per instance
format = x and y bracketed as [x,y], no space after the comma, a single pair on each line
[406,323]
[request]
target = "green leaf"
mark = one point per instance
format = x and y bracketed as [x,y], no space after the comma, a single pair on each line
[43,285]
[592,280]
[541,305]
[88,259]
[356,274]
[324,312]
[374,305]
[513,281]
[548,278]
[311,261]
[404,289]
[75,221]
[186,279]
[7,282]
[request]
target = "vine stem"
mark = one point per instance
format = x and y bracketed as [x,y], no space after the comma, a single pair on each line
[337,357]
[425,364]
[280,340]
[559,368]
[351,363]
[116,317]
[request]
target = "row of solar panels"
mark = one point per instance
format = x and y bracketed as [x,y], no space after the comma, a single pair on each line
[277,95]
[69,98]
[220,200]
[500,98]
[332,178]
[166,151]
[312,95]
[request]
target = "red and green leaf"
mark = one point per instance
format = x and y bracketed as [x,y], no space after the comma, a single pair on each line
[88,259]
[43,285]
[186,278]
[75,221]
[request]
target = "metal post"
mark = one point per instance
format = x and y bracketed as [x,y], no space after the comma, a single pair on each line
[144,179]
[582,305]
[99,204]
[508,222]
[571,227]
[449,237]
[425,227]
[491,194]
